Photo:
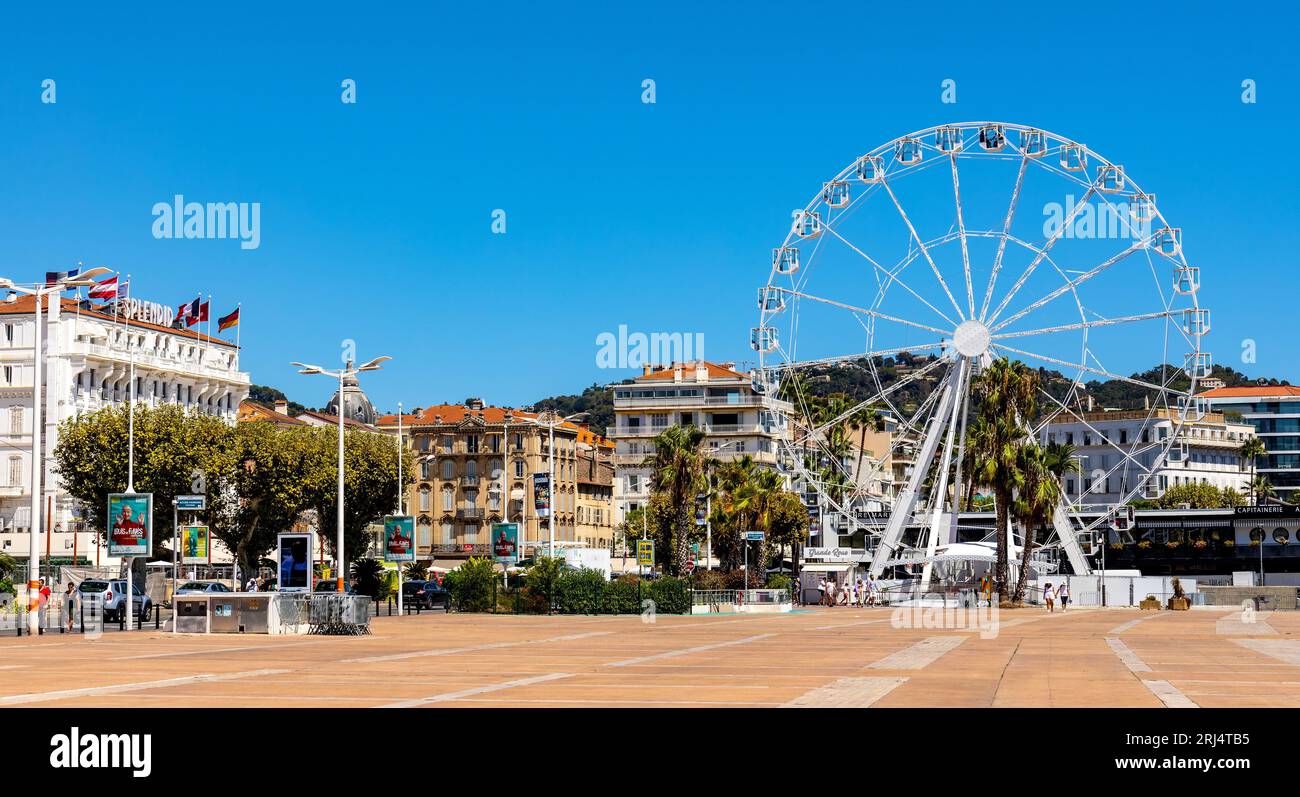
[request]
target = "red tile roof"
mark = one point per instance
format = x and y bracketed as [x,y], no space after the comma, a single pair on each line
[451,414]
[688,372]
[1278,391]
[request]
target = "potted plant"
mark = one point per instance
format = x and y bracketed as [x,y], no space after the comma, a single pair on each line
[1150,602]
[1179,601]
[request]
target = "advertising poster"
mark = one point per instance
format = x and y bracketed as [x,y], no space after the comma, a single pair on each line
[196,548]
[505,542]
[542,494]
[294,556]
[399,538]
[130,524]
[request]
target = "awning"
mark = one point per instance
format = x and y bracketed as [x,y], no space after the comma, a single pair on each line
[827,567]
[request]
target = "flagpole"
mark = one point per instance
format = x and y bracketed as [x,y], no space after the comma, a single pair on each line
[239,326]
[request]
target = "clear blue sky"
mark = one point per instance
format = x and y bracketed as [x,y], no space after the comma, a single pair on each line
[376,217]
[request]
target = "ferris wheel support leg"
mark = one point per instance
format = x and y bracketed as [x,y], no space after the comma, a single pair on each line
[940,492]
[901,514]
[1065,533]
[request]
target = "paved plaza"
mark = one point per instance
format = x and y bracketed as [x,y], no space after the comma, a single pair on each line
[816,657]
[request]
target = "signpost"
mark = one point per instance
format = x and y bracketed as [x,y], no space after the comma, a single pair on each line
[645,553]
[750,536]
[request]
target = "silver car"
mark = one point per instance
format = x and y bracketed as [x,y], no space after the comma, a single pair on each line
[201,587]
[109,597]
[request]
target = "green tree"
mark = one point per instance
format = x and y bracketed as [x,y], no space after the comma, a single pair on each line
[170,445]
[368,578]
[1195,496]
[1007,395]
[1039,496]
[678,471]
[369,484]
[1252,450]
[1261,487]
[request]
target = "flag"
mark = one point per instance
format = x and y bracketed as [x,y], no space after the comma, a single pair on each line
[53,277]
[198,313]
[188,312]
[105,290]
[228,321]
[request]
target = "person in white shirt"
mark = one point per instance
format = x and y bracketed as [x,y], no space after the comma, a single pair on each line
[821,591]
[1063,594]
[1049,597]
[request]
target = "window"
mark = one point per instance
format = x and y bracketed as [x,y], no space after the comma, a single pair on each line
[424,469]
[424,533]
[495,444]
[15,471]
[446,443]
[16,420]
[9,334]
[494,501]
[471,470]
[424,499]
[9,374]
[519,468]
[471,443]
[519,441]
[448,469]
[494,469]
[448,499]
[448,532]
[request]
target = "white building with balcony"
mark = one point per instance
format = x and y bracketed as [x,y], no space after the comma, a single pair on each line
[87,366]
[1118,448]
[716,399]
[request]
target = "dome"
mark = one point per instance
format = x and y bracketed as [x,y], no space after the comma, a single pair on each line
[356,406]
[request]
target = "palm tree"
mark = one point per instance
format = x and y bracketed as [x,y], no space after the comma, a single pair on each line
[678,470]
[1261,487]
[866,416]
[1039,496]
[976,439]
[1006,392]
[1252,450]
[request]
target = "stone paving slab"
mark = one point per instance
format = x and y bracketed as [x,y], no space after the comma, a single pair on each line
[843,657]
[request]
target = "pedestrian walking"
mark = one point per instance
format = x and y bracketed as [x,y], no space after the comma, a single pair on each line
[1049,597]
[1063,594]
[821,591]
[44,603]
[69,606]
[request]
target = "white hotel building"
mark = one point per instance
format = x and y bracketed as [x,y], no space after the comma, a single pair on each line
[714,398]
[86,367]
[1205,451]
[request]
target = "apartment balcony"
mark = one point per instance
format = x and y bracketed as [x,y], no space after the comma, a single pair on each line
[739,400]
[708,428]
[470,513]
[15,491]
[184,365]
[469,481]
[455,549]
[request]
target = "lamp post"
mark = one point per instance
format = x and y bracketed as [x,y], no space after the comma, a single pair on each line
[34,533]
[550,425]
[341,374]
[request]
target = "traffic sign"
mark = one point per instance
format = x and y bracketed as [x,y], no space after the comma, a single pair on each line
[690,566]
[752,536]
[191,503]
[645,552]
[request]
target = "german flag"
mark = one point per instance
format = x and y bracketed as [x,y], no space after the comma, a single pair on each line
[228,321]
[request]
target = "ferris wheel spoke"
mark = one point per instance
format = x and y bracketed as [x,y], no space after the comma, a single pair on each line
[1127,455]
[961,230]
[1006,231]
[879,395]
[1069,286]
[1090,369]
[1033,264]
[862,355]
[1101,322]
[863,311]
[893,276]
[924,250]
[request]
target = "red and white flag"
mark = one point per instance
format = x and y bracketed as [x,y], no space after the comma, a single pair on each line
[105,290]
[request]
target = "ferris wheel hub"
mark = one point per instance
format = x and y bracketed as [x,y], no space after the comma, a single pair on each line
[971,338]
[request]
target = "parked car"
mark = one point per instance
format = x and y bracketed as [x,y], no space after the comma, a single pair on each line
[201,587]
[110,598]
[330,585]
[425,594]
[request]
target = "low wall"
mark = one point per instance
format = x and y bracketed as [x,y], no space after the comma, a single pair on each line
[1270,597]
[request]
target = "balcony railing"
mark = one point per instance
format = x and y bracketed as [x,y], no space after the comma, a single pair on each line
[738,400]
[469,512]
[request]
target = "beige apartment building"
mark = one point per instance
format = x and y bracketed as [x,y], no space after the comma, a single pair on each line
[461,451]
[595,485]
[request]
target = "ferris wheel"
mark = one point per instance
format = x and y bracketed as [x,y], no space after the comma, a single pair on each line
[931,256]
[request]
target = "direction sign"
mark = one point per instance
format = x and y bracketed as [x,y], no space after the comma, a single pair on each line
[191,503]
[751,536]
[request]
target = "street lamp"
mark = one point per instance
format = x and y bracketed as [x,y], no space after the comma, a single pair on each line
[34,550]
[550,426]
[341,374]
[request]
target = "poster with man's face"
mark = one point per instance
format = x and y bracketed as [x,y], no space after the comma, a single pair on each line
[195,547]
[130,524]
[505,542]
[399,538]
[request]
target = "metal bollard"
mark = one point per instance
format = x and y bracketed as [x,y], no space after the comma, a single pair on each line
[83,619]
[157,615]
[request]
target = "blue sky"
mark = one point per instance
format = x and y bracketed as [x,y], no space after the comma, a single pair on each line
[376,216]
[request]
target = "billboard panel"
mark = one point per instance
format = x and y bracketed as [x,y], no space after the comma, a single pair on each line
[399,538]
[505,542]
[130,524]
[294,555]
[196,546]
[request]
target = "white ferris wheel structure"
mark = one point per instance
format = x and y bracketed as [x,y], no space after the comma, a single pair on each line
[932,255]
